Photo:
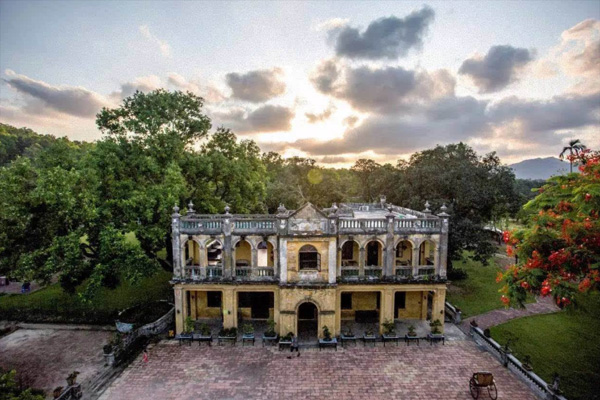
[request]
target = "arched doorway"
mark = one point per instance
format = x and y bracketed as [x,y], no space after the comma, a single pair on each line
[308,322]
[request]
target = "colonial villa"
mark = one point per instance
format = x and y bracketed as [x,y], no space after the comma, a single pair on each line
[310,267]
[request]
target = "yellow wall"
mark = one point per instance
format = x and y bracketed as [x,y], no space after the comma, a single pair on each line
[243,251]
[429,252]
[293,247]
[405,254]
[198,299]
[414,306]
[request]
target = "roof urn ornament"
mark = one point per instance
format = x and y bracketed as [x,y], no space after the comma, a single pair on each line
[443,210]
[176,209]
[281,209]
[191,207]
[427,205]
[227,209]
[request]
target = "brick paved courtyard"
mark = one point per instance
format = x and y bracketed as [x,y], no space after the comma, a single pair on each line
[425,372]
[44,357]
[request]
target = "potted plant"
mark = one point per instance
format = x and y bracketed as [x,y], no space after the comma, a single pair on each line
[270,332]
[369,332]
[389,328]
[72,378]
[327,334]
[435,327]
[287,339]
[204,330]
[349,333]
[188,325]
[527,363]
[412,331]
[248,331]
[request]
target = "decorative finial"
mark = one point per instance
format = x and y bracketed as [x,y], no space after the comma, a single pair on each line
[176,209]
[227,209]
[427,205]
[281,209]
[443,210]
[334,206]
[191,207]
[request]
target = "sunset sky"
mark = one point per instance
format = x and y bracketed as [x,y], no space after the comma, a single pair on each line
[334,81]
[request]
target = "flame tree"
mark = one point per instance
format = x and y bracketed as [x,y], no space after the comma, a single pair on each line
[559,251]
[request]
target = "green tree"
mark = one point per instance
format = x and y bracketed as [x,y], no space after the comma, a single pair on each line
[574,148]
[11,390]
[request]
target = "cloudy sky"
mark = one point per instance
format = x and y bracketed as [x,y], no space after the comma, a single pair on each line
[334,81]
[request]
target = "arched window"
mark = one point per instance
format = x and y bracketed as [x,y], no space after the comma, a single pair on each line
[309,258]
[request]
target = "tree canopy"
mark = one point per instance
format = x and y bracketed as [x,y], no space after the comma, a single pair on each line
[93,214]
[559,251]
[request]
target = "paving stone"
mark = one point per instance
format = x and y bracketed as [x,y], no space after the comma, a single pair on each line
[415,372]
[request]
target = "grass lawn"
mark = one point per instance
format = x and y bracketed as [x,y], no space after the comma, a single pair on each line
[479,292]
[52,304]
[566,342]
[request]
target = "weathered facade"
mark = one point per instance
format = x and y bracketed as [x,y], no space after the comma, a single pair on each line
[363,262]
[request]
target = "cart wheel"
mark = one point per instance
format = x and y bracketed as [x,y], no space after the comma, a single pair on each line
[473,388]
[493,391]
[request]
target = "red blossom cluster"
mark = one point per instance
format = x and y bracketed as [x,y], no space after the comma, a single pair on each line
[560,250]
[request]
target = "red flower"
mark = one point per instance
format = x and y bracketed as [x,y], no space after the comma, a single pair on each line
[588,197]
[525,285]
[505,300]
[545,290]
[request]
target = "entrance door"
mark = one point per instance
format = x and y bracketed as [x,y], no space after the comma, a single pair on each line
[261,302]
[429,305]
[308,320]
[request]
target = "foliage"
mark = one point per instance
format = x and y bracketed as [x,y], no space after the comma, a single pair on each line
[566,342]
[326,333]
[435,327]
[11,390]
[188,324]
[248,329]
[457,274]
[270,327]
[559,251]
[389,327]
[479,292]
[53,304]
[145,313]
[228,332]
[204,329]
[412,330]
[575,148]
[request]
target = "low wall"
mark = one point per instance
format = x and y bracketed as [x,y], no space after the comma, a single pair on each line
[540,387]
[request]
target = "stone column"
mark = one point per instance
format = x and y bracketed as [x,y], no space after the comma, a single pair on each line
[332,258]
[282,249]
[254,260]
[389,259]
[386,311]
[176,243]
[362,261]
[415,258]
[442,264]
[229,308]
[179,309]
[438,306]
[193,312]
[228,262]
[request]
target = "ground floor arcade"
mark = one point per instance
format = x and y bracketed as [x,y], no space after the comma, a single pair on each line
[309,309]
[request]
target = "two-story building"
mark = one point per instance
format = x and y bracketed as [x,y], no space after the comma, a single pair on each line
[352,262]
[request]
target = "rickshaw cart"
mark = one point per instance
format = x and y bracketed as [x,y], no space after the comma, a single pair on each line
[482,380]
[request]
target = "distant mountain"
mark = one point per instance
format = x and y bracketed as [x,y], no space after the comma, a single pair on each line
[541,168]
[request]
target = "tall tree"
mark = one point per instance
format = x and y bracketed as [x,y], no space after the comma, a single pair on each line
[574,148]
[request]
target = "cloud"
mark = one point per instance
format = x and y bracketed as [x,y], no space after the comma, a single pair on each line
[580,49]
[71,100]
[268,118]
[511,123]
[256,86]
[387,90]
[210,93]
[314,117]
[143,84]
[384,38]
[330,24]
[163,46]
[497,69]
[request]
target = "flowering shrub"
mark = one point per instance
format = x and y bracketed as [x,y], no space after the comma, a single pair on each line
[559,251]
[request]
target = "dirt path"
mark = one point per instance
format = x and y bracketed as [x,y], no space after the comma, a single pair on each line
[543,305]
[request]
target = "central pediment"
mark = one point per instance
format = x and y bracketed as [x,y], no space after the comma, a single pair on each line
[309,219]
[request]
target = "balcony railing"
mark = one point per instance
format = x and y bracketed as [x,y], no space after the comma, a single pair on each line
[425,270]
[373,272]
[256,273]
[362,225]
[417,225]
[350,272]
[196,272]
[403,272]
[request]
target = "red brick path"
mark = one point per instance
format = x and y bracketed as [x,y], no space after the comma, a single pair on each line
[425,372]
